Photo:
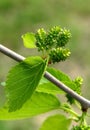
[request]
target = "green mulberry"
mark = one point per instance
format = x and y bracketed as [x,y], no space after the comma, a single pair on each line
[40,39]
[54,38]
[63,37]
[59,54]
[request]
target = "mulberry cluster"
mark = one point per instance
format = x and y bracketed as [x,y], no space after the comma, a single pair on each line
[53,42]
[58,54]
[40,39]
[63,37]
[78,81]
[52,37]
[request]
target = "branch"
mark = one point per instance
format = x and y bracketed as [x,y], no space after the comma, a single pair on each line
[11,53]
[85,103]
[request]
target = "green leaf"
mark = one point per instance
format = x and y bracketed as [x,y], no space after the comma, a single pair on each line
[56,122]
[58,74]
[63,78]
[39,103]
[29,40]
[67,81]
[48,87]
[22,81]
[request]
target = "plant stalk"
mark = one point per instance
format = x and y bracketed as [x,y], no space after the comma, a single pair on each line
[70,111]
[85,103]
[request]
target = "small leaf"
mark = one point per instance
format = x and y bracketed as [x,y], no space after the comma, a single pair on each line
[56,122]
[29,40]
[22,81]
[39,103]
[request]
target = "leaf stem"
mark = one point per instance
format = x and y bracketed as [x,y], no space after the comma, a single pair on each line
[82,119]
[85,103]
[70,111]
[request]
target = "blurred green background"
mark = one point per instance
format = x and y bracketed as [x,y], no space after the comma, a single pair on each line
[20,16]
